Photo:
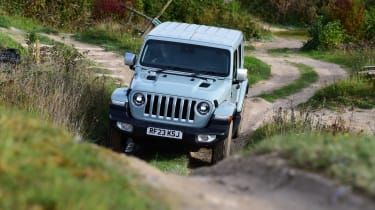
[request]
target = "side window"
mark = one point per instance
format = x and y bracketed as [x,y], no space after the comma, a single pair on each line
[235,64]
[240,56]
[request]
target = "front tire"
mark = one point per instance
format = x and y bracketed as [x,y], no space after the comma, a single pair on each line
[116,140]
[222,149]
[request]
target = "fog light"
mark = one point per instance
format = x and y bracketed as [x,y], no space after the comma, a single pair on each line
[206,138]
[125,126]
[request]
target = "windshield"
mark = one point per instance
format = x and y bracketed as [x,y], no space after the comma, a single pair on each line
[186,57]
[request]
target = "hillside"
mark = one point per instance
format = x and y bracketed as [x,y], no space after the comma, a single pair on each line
[43,167]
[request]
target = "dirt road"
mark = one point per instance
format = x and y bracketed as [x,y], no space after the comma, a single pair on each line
[259,183]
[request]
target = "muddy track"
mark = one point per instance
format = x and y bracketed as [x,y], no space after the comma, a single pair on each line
[261,183]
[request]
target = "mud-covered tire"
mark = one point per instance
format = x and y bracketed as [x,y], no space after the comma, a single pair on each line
[116,140]
[238,131]
[222,149]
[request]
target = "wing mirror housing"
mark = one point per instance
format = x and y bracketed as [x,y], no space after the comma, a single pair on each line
[241,75]
[130,60]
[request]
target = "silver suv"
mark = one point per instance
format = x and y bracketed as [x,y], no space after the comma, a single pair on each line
[189,87]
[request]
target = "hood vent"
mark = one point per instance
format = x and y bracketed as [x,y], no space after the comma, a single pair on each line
[204,85]
[151,77]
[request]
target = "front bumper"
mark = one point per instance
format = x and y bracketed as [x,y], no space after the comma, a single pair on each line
[219,128]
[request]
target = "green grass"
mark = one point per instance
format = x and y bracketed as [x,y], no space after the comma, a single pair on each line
[111,37]
[23,23]
[308,76]
[257,70]
[170,163]
[41,167]
[357,92]
[343,157]
[7,42]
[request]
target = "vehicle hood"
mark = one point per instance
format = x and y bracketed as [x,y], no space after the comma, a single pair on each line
[202,87]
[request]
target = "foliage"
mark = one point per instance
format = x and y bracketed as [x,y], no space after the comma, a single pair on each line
[218,13]
[257,70]
[41,167]
[68,14]
[343,157]
[297,12]
[324,35]
[350,13]
[308,77]
[370,24]
[115,9]
[332,35]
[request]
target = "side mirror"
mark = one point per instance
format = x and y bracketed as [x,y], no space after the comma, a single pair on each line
[130,59]
[241,75]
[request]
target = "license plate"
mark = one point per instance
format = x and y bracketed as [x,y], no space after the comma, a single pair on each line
[164,133]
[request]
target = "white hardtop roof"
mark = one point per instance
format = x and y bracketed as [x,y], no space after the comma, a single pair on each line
[199,33]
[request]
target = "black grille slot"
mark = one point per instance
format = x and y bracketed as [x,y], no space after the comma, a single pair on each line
[191,115]
[155,105]
[147,108]
[170,108]
[177,109]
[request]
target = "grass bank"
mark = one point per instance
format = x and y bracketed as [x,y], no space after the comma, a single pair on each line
[306,142]
[7,42]
[26,24]
[41,167]
[112,37]
[343,157]
[308,77]
[257,70]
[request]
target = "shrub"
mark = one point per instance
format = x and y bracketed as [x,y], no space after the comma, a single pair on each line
[324,34]
[332,35]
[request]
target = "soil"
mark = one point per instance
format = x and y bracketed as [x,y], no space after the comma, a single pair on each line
[262,183]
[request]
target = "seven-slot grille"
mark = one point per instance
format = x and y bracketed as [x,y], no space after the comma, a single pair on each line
[170,108]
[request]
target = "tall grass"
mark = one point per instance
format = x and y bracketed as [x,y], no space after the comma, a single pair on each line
[62,90]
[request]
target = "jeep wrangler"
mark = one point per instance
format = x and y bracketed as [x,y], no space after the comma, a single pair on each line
[188,86]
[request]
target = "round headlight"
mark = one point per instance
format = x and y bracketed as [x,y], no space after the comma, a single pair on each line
[203,108]
[139,99]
